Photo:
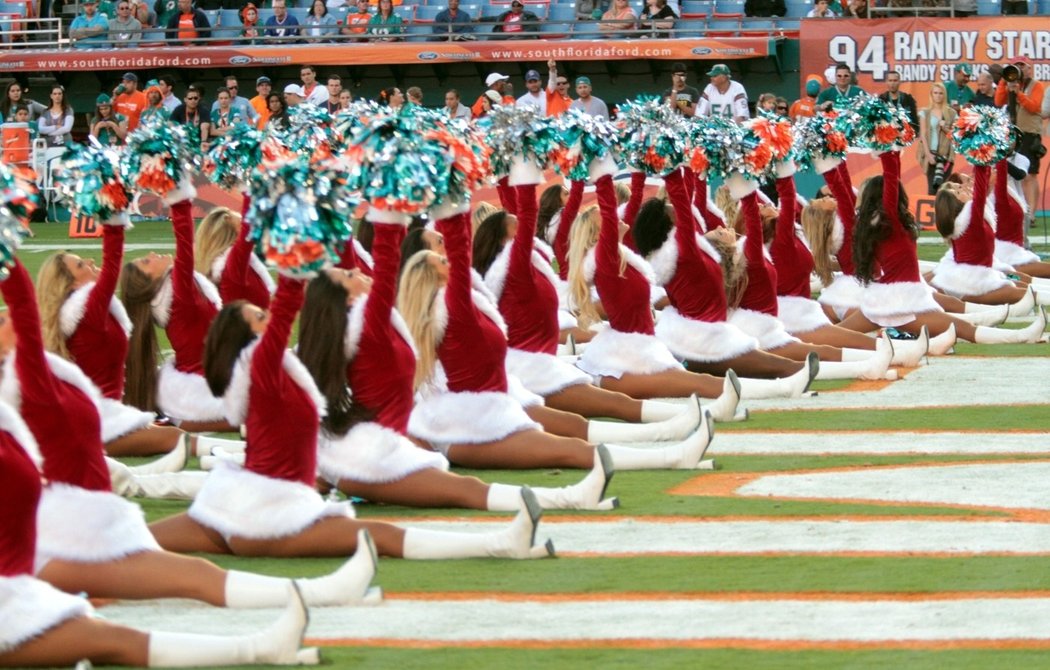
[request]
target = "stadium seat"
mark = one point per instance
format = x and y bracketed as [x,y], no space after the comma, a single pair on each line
[695,9]
[562,12]
[427,13]
[987,7]
[473,11]
[16,8]
[723,27]
[756,27]
[799,8]
[729,7]
[211,14]
[406,13]
[789,27]
[419,32]
[230,17]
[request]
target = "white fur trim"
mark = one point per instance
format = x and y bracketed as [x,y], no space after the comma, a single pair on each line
[896,303]
[590,265]
[702,341]
[373,454]
[838,234]
[119,419]
[448,209]
[523,172]
[218,266]
[120,220]
[714,210]
[184,190]
[161,302]
[11,422]
[566,321]
[601,167]
[552,227]
[543,374]
[484,305]
[524,396]
[477,282]
[613,354]
[497,272]
[1014,254]
[29,608]
[376,215]
[800,315]
[185,396]
[235,400]
[240,503]
[784,168]
[768,330]
[75,524]
[441,419]
[844,293]
[72,311]
[355,325]
[362,253]
[664,261]
[823,164]
[965,280]
[962,222]
[740,186]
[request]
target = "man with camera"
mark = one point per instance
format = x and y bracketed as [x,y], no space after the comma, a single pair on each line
[1023,97]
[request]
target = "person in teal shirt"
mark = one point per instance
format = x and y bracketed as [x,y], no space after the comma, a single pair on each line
[225,115]
[842,89]
[155,111]
[90,30]
[108,127]
[959,92]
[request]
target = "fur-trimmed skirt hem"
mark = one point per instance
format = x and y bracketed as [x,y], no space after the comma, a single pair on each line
[897,303]
[702,341]
[185,396]
[29,608]
[451,418]
[1014,254]
[613,354]
[767,329]
[843,294]
[524,396]
[962,280]
[239,503]
[543,374]
[373,454]
[119,419]
[800,315]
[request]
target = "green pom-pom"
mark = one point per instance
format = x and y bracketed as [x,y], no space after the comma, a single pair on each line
[983,135]
[231,160]
[158,158]
[89,178]
[652,136]
[582,138]
[18,199]
[518,132]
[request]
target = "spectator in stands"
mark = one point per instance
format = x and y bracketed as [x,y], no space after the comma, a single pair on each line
[278,110]
[166,83]
[782,106]
[723,96]
[495,82]
[513,24]
[334,86]
[1023,100]
[251,32]
[225,115]
[293,97]
[588,10]
[767,102]
[357,22]
[415,95]
[1014,7]
[313,92]
[154,112]
[22,116]
[959,92]
[619,20]
[682,97]
[282,26]
[385,26]
[56,123]
[843,89]
[146,16]
[319,25]
[454,108]
[895,97]
[985,94]
[454,24]
[108,127]
[765,8]
[129,100]
[806,106]
[263,87]
[190,115]
[125,30]
[936,150]
[90,29]
[964,8]
[856,9]
[345,98]
[657,18]
[165,9]
[534,95]
[821,10]
[587,103]
[188,25]
[489,99]
[558,99]
[14,97]
[238,102]
[391,97]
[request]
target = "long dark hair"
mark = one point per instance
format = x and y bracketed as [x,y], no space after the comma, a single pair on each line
[137,290]
[550,204]
[873,226]
[365,232]
[228,335]
[946,208]
[489,240]
[412,243]
[652,226]
[322,326]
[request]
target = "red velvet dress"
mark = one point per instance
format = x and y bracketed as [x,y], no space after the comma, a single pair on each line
[239,273]
[1009,222]
[566,217]
[794,263]
[845,291]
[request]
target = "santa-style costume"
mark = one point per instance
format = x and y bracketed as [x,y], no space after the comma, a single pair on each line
[1010,217]
[560,227]
[711,216]
[239,273]
[185,305]
[844,292]
[354,256]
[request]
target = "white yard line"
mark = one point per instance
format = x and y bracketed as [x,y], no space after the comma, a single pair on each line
[878,443]
[95,246]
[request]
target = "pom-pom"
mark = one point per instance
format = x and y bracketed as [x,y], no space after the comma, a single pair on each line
[652,136]
[468,158]
[310,132]
[580,140]
[982,134]
[518,132]
[875,125]
[359,114]
[19,197]
[89,178]
[230,162]
[158,158]
[775,132]
[710,145]
[299,214]
[818,137]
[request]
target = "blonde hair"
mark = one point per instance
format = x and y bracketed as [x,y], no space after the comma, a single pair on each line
[417,294]
[725,201]
[54,283]
[482,211]
[216,233]
[623,192]
[818,225]
[734,268]
[583,238]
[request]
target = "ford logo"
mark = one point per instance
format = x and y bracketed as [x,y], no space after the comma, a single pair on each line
[427,55]
[240,60]
[702,51]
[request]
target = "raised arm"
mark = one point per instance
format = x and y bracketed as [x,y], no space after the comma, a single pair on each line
[568,216]
[386,256]
[634,203]
[981,175]
[711,220]
[268,359]
[457,247]
[607,252]
[183,285]
[507,196]
[236,269]
[34,375]
[1002,202]
[684,225]
[784,240]
[97,307]
[521,253]
[753,220]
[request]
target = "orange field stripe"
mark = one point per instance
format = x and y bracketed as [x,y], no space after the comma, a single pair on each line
[725,596]
[714,643]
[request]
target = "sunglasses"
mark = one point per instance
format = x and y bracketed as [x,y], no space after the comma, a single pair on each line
[563,83]
[192,98]
[782,109]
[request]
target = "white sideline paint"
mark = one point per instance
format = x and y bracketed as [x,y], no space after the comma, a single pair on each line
[95,246]
[733,443]
[672,620]
[1014,485]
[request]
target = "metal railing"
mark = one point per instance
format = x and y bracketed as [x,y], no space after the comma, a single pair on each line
[32,33]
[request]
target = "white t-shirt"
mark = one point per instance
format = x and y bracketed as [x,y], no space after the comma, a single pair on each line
[731,104]
[537,100]
[318,96]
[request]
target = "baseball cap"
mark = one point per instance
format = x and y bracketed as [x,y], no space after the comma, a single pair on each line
[130,76]
[103,99]
[493,97]
[518,3]
[583,80]
[721,68]
[263,80]
[532,75]
[294,88]
[964,68]
[812,87]
[677,67]
[494,77]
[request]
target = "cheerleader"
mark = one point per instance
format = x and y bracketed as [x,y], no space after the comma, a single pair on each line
[694,326]
[626,356]
[157,289]
[373,459]
[552,242]
[91,540]
[223,254]
[46,627]
[270,506]
[1009,229]
[460,336]
[885,237]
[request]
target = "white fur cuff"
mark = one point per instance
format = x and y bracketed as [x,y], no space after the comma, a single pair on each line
[823,164]
[600,167]
[448,209]
[785,168]
[119,219]
[740,186]
[184,191]
[386,216]
[524,172]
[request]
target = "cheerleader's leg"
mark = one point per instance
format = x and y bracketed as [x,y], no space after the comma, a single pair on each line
[149,441]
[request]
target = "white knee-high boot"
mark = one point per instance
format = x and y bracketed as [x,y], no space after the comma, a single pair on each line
[278,644]
[686,455]
[1042,297]
[515,541]
[218,454]
[906,353]
[183,485]
[1031,333]
[723,409]
[589,493]
[173,461]
[784,387]
[206,443]
[654,411]
[1023,306]
[941,345]
[683,422]
[858,364]
[991,315]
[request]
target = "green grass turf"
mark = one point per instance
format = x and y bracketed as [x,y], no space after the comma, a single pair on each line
[974,417]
